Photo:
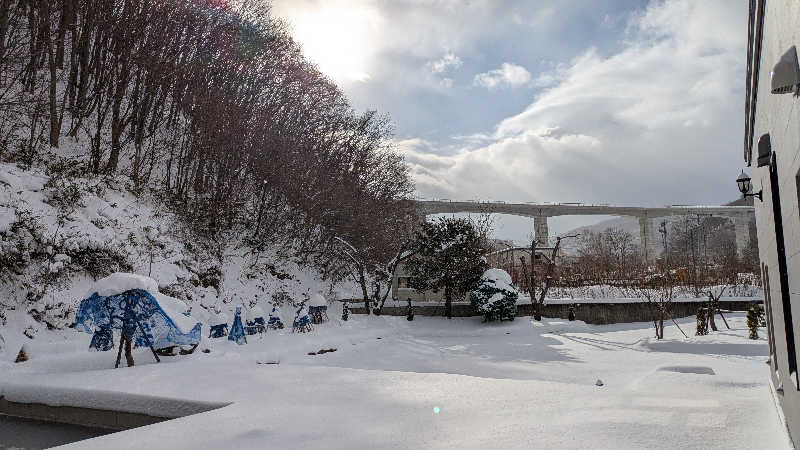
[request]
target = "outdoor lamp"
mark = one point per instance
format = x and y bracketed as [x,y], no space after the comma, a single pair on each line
[744,182]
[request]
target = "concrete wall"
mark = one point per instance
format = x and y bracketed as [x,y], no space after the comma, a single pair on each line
[779,115]
[592,313]
[87,417]
[110,419]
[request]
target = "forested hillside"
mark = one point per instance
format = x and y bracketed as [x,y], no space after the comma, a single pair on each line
[205,109]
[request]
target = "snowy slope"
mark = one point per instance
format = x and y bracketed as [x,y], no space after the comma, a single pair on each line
[110,229]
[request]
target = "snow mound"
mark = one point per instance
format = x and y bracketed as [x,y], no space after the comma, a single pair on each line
[500,277]
[317,300]
[119,282]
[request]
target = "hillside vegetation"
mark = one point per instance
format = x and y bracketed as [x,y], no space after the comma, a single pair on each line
[139,133]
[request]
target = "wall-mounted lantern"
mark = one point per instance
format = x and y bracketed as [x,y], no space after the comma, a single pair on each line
[785,76]
[744,182]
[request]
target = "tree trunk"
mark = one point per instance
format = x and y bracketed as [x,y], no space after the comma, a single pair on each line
[55,123]
[363,282]
[712,310]
[5,8]
[128,354]
[448,303]
[525,278]
[119,352]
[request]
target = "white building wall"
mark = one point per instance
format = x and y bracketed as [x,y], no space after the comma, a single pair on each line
[779,115]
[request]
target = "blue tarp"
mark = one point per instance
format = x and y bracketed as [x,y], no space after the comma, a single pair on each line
[274,321]
[256,326]
[137,314]
[218,331]
[237,330]
[301,321]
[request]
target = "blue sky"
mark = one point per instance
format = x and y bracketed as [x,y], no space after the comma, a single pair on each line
[613,101]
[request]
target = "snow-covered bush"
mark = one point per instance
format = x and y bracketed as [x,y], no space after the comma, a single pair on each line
[495,298]
[752,321]
[760,317]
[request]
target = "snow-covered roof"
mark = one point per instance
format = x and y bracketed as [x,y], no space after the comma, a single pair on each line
[120,282]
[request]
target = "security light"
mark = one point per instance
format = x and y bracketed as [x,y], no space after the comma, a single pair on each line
[744,182]
[785,76]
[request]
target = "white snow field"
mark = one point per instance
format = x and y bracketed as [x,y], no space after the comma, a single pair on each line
[430,383]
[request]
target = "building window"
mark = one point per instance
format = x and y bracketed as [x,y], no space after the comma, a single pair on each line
[402,282]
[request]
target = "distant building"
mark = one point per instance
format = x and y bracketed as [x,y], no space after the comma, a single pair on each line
[511,260]
[402,291]
[508,259]
[772,150]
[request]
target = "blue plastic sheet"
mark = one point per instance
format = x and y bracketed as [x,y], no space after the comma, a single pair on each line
[274,321]
[137,315]
[237,330]
[302,322]
[218,331]
[256,326]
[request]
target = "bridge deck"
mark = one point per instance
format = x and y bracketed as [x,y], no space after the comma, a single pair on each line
[550,210]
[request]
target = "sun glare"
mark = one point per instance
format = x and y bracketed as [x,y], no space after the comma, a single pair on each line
[335,38]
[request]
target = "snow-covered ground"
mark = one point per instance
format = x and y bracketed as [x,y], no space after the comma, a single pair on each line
[430,383]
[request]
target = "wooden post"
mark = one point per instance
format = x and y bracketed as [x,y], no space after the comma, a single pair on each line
[128,354]
[119,352]
[723,319]
[149,344]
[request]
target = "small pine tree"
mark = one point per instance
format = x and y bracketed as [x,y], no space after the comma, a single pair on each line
[448,257]
[495,297]
[571,313]
[762,319]
[752,323]
[345,311]
[410,311]
[702,322]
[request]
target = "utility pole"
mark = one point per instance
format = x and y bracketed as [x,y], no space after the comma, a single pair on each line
[663,230]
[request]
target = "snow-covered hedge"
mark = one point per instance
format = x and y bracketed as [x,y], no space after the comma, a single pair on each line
[495,298]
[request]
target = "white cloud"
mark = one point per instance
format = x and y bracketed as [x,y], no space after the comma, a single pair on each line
[445,63]
[508,74]
[657,122]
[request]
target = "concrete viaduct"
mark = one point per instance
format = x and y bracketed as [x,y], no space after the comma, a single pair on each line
[740,215]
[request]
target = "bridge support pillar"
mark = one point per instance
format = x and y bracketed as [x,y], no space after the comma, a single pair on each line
[647,240]
[742,227]
[540,232]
